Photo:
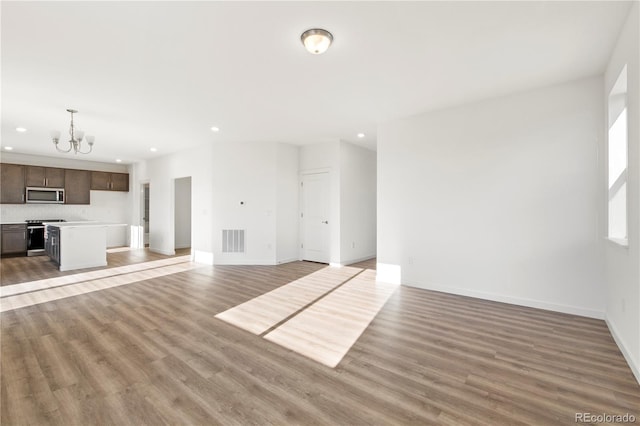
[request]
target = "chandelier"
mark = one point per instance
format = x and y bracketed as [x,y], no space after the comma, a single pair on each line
[75,143]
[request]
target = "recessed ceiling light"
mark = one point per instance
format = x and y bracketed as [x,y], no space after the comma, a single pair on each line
[153,149]
[361,135]
[21,129]
[8,148]
[215,129]
[118,160]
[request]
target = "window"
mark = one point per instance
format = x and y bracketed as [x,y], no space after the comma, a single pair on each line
[618,153]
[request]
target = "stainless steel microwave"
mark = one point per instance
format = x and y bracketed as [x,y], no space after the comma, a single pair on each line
[45,195]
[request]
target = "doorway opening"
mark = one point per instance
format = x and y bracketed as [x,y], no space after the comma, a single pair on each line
[182,213]
[144,210]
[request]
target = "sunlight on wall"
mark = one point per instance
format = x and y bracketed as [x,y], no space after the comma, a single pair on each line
[618,153]
[388,273]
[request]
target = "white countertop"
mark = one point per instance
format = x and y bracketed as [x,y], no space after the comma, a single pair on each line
[83,224]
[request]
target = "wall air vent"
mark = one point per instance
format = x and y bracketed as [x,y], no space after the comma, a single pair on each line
[233,240]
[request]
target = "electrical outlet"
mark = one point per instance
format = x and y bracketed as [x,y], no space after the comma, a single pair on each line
[353,244]
[410,260]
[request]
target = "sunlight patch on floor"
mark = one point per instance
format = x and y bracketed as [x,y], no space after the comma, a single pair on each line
[324,330]
[83,285]
[263,312]
[13,289]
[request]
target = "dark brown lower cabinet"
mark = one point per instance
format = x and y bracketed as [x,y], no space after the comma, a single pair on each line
[14,239]
[52,243]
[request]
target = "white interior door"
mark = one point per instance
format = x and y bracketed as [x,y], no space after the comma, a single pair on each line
[315,217]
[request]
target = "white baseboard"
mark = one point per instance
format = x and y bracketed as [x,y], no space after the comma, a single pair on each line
[351,261]
[635,369]
[74,266]
[245,262]
[359,259]
[531,303]
[292,259]
[163,251]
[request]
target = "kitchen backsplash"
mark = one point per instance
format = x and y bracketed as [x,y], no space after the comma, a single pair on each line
[105,206]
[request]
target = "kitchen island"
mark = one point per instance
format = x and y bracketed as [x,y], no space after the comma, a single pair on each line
[77,245]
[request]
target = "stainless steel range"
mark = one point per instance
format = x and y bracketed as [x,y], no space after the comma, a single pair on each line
[35,235]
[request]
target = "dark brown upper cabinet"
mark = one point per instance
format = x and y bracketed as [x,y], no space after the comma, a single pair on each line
[77,186]
[48,177]
[77,183]
[12,183]
[107,181]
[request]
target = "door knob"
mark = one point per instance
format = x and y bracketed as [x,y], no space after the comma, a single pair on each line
[325,222]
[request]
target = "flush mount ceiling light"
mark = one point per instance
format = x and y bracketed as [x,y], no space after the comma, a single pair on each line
[75,143]
[21,129]
[316,40]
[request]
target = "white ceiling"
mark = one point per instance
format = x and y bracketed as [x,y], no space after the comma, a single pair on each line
[160,74]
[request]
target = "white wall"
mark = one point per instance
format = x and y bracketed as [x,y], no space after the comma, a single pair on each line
[357,203]
[105,206]
[325,157]
[499,199]
[254,188]
[244,197]
[623,263]
[287,203]
[182,213]
[161,173]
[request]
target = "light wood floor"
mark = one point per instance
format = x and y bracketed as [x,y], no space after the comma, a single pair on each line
[327,329]
[268,310]
[22,269]
[152,352]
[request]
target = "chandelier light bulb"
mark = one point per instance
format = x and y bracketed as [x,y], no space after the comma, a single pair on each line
[55,135]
